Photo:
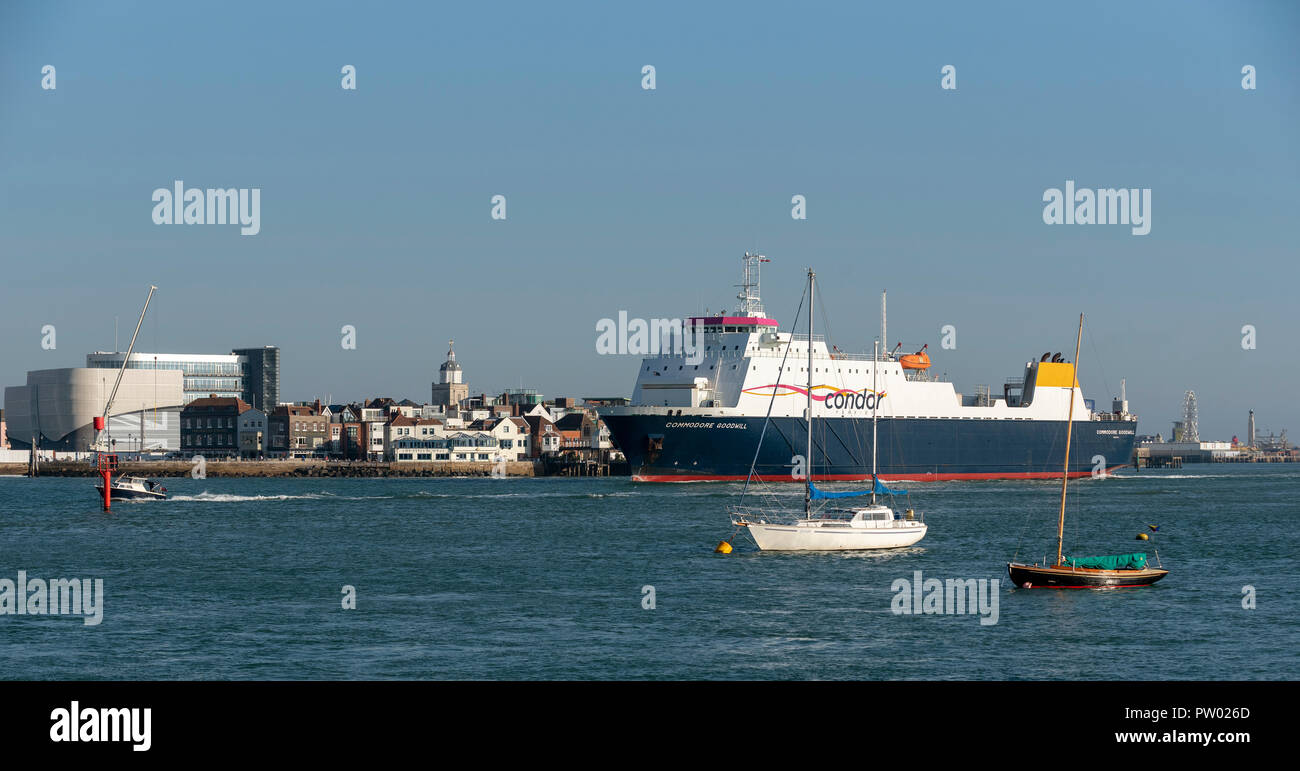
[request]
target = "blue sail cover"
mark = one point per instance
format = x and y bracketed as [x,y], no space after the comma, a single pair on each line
[877,488]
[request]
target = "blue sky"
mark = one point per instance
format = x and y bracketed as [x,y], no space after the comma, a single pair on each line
[375,202]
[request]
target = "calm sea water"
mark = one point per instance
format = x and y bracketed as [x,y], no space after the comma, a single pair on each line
[543,578]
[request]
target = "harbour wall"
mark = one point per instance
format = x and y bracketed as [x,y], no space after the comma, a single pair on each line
[283,468]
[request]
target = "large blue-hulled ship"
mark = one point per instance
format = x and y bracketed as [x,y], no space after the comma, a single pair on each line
[697,413]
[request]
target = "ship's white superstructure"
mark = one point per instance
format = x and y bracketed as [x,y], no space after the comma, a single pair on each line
[731,368]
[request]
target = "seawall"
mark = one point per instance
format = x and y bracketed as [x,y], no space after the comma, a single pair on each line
[283,468]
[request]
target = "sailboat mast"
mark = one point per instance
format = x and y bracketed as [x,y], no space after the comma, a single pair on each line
[1069,430]
[807,489]
[875,366]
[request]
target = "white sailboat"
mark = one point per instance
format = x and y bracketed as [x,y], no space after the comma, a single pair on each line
[830,528]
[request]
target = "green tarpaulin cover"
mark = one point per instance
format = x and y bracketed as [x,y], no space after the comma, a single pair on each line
[1135,561]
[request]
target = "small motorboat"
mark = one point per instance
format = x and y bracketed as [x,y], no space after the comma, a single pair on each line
[135,487]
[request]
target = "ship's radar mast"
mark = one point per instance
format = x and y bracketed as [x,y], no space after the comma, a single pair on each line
[750,301]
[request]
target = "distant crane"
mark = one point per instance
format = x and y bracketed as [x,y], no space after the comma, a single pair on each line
[102,423]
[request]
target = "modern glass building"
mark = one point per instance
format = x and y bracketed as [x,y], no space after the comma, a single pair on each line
[240,374]
[261,372]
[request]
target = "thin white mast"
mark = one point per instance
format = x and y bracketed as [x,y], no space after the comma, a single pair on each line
[807,494]
[875,395]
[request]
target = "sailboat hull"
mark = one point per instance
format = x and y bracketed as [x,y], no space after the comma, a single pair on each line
[1065,577]
[773,537]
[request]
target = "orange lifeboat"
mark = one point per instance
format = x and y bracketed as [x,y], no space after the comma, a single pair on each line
[918,360]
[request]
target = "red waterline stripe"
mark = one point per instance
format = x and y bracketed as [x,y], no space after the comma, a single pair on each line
[945,477]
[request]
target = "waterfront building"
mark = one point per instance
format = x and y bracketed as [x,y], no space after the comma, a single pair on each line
[475,446]
[373,420]
[203,374]
[542,435]
[334,441]
[511,434]
[57,409]
[252,432]
[512,437]
[551,441]
[251,374]
[260,370]
[210,426]
[456,447]
[421,450]
[404,427]
[350,444]
[296,432]
[578,430]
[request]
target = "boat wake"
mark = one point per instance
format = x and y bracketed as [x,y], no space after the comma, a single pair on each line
[206,497]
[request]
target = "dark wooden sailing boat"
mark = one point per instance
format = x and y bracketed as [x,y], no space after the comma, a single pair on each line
[1082,572]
